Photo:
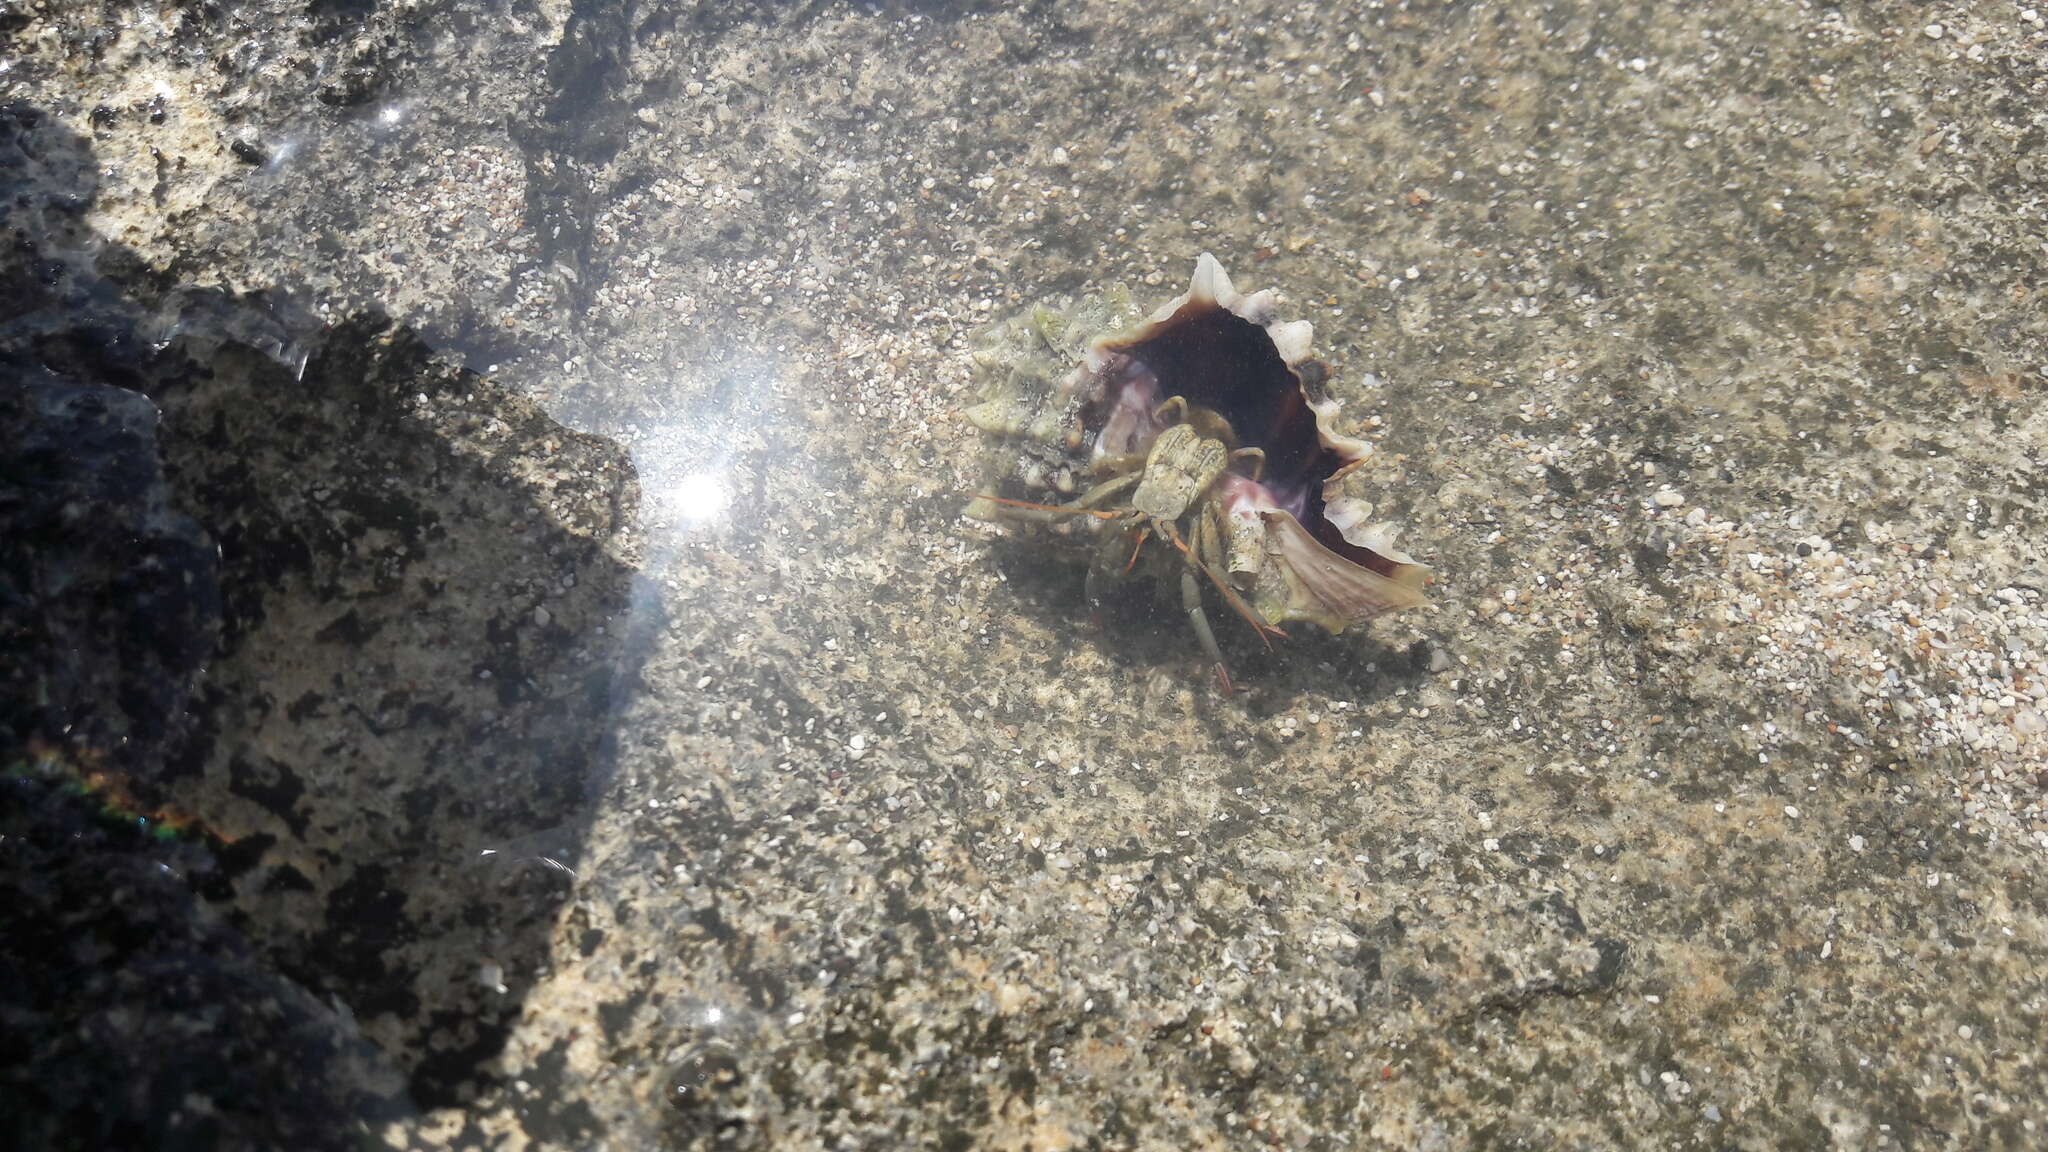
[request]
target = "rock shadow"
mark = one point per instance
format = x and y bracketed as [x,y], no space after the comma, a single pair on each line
[300,622]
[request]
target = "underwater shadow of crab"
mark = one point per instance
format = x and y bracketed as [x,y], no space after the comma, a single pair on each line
[1192,428]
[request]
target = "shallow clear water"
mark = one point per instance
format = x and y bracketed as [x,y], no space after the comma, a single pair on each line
[500,651]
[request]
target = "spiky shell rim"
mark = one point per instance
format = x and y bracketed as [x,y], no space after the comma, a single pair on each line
[1294,340]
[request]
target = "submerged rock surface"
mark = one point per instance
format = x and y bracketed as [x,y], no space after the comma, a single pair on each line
[1704,809]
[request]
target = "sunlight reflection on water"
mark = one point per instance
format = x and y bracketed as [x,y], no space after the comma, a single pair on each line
[697,497]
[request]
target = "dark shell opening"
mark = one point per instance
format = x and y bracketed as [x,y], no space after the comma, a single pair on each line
[1227,364]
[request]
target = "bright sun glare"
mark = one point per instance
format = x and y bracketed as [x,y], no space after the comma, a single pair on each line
[699,496]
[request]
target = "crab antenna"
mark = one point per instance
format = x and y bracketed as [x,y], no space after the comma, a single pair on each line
[1095,512]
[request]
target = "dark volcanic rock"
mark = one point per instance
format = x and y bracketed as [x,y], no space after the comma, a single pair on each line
[109,596]
[337,614]
[134,1018]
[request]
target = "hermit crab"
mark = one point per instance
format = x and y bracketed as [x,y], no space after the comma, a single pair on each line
[1192,429]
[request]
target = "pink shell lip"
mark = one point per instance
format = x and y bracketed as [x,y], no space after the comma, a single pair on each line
[1245,497]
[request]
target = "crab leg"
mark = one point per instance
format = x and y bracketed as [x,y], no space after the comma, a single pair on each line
[1121,462]
[1202,546]
[1213,557]
[1105,491]
[1191,600]
[1210,542]
[1230,596]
